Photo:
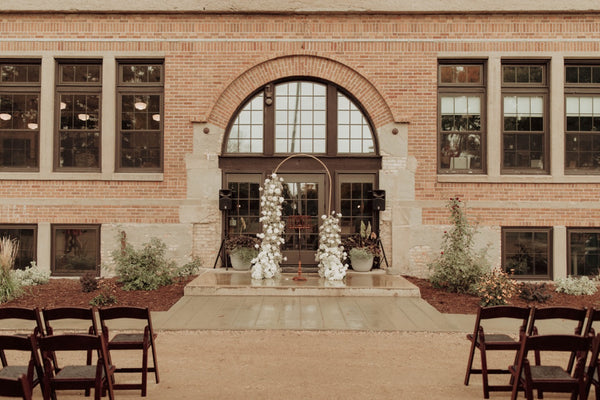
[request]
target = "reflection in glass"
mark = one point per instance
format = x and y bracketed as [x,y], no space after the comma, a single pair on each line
[246,133]
[584,251]
[75,250]
[300,210]
[526,252]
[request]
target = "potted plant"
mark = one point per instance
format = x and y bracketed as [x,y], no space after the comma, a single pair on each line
[362,248]
[242,250]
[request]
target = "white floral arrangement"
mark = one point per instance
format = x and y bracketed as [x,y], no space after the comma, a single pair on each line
[331,253]
[267,264]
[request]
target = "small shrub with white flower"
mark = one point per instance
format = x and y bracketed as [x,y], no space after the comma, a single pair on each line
[331,253]
[577,286]
[267,264]
[496,287]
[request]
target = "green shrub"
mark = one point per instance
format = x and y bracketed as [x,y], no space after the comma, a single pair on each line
[458,268]
[88,281]
[496,287]
[105,298]
[190,268]
[537,292]
[144,269]
[32,275]
[577,286]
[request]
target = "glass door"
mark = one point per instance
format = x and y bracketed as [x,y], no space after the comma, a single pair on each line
[304,203]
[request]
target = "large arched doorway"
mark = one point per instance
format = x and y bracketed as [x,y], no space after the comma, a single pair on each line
[301,115]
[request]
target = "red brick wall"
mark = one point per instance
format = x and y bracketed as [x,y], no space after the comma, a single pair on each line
[393,76]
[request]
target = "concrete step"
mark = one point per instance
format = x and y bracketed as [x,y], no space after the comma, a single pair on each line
[239,283]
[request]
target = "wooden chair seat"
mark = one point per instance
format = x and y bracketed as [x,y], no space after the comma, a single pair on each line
[15,371]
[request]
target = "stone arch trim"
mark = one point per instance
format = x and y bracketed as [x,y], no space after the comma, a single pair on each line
[301,65]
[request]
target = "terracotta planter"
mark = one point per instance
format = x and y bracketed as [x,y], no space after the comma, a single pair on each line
[362,264]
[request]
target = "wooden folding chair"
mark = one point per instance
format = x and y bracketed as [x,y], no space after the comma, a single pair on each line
[9,316]
[67,315]
[76,376]
[576,316]
[551,377]
[16,387]
[33,371]
[495,342]
[143,340]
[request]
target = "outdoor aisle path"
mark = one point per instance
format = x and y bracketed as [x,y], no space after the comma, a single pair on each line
[308,313]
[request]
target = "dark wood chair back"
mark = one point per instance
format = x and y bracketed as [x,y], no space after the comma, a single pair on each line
[74,376]
[26,314]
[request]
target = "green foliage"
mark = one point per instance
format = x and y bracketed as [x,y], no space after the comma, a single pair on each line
[537,292]
[144,269]
[360,253]
[105,298]
[496,287]
[458,268]
[235,242]
[9,286]
[365,240]
[89,283]
[246,254]
[32,275]
[190,268]
[577,286]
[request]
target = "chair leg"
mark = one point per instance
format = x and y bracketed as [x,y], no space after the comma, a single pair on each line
[484,375]
[144,371]
[155,363]
[469,363]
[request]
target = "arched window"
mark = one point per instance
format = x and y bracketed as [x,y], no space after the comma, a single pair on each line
[300,117]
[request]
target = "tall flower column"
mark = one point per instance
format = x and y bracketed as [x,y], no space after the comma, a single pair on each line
[331,252]
[267,264]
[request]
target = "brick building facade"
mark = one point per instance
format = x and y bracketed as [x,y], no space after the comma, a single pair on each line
[128,121]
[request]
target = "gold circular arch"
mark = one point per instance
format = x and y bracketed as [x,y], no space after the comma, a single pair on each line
[322,164]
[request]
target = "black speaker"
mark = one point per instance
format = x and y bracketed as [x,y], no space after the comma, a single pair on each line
[225,201]
[378,200]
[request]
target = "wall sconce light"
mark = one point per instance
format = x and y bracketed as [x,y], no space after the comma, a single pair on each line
[32,125]
[83,117]
[5,116]
[63,105]
[140,105]
[156,117]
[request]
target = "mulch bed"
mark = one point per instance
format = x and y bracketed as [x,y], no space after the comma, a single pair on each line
[455,303]
[69,293]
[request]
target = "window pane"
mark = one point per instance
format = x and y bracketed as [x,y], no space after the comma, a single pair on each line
[26,239]
[19,116]
[354,132]
[76,249]
[526,252]
[584,252]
